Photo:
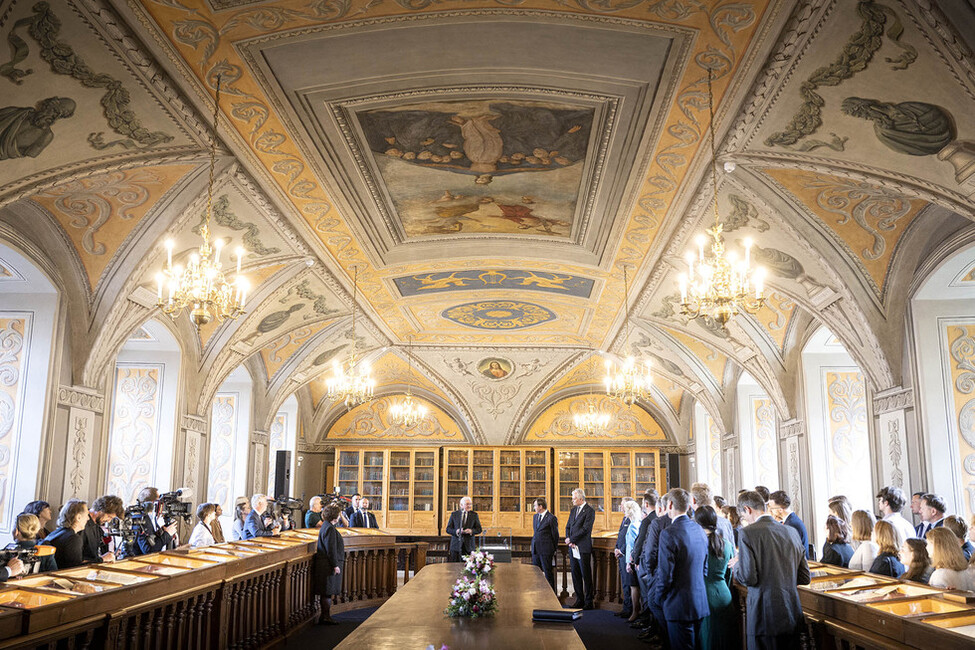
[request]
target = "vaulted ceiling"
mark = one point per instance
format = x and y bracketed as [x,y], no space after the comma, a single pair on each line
[490,168]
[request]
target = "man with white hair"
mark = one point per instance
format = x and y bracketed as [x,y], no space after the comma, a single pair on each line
[463,526]
[313,518]
[258,523]
[578,537]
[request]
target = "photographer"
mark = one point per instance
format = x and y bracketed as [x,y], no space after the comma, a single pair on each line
[155,535]
[203,532]
[259,523]
[313,518]
[94,545]
[25,537]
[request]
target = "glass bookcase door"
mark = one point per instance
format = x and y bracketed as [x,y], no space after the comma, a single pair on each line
[399,480]
[645,472]
[348,474]
[482,481]
[458,477]
[620,477]
[424,480]
[536,479]
[569,478]
[594,477]
[509,481]
[372,479]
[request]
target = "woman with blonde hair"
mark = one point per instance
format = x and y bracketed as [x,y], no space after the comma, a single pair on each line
[887,562]
[66,539]
[25,537]
[634,513]
[950,568]
[862,523]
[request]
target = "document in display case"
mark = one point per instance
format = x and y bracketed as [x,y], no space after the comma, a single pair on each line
[497,542]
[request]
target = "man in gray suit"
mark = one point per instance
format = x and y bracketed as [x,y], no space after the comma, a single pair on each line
[770,562]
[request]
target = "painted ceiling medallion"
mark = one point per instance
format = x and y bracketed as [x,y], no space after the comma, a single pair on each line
[499,314]
[479,279]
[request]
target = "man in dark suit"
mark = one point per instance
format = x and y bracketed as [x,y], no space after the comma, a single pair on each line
[679,585]
[649,506]
[770,562]
[463,526]
[648,569]
[780,504]
[578,537]
[352,507]
[362,518]
[932,512]
[103,510]
[545,539]
[259,524]
[154,536]
[620,553]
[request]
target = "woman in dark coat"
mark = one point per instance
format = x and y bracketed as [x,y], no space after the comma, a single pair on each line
[66,539]
[329,560]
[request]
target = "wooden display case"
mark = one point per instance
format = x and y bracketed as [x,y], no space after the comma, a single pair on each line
[399,482]
[502,482]
[606,475]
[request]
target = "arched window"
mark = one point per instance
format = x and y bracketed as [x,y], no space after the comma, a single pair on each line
[758,437]
[144,404]
[943,319]
[28,309]
[230,426]
[282,437]
[837,430]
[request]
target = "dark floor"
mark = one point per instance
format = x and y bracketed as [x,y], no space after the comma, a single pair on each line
[599,629]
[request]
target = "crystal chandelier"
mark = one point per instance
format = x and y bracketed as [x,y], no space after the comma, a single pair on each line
[353,383]
[591,421]
[201,288]
[629,381]
[408,413]
[720,284]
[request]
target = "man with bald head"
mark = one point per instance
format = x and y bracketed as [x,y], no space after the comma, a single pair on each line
[462,527]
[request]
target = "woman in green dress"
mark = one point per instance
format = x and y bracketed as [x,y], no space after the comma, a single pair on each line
[719,630]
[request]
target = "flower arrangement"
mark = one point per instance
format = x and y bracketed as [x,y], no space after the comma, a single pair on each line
[472,597]
[478,563]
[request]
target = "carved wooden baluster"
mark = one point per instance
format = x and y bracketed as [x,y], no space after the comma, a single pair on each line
[562,567]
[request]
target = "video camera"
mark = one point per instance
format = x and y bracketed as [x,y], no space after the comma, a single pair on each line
[127,528]
[175,505]
[26,555]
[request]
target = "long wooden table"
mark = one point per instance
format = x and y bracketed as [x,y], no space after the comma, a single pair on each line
[414,618]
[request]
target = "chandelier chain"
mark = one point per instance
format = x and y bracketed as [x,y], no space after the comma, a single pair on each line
[213,155]
[714,159]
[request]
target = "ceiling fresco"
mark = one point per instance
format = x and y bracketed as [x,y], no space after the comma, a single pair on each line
[489,169]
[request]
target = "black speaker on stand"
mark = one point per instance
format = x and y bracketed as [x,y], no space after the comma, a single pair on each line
[282,473]
[673,470]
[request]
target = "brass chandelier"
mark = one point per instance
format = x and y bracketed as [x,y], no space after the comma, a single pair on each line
[591,421]
[720,284]
[629,381]
[352,382]
[202,288]
[408,413]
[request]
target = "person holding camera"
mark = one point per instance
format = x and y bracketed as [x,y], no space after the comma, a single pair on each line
[259,522]
[202,534]
[94,544]
[25,538]
[313,518]
[156,534]
[329,560]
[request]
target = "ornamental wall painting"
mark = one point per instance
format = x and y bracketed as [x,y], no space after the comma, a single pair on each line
[848,441]
[14,347]
[960,376]
[135,429]
[481,166]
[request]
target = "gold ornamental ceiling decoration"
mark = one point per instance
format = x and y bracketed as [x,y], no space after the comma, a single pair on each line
[208,44]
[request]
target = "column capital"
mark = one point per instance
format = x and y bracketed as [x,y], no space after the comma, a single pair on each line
[81,397]
[791,428]
[893,399]
[193,422]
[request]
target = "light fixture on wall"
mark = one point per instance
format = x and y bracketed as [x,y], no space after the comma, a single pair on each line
[408,413]
[591,421]
[202,288]
[352,381]
[719,284]
[630,380]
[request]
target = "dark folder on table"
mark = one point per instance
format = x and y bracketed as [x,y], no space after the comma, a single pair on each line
[556,615]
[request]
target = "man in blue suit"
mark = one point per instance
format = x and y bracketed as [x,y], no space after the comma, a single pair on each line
[780,504]
[620,553]
[650,498]
[578,537]
[362,518]
[682,561]
[258,523]
[647,571]
[545,539]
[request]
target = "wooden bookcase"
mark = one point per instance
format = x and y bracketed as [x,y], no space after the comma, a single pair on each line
[401,484]
[607,475]
[502,482]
